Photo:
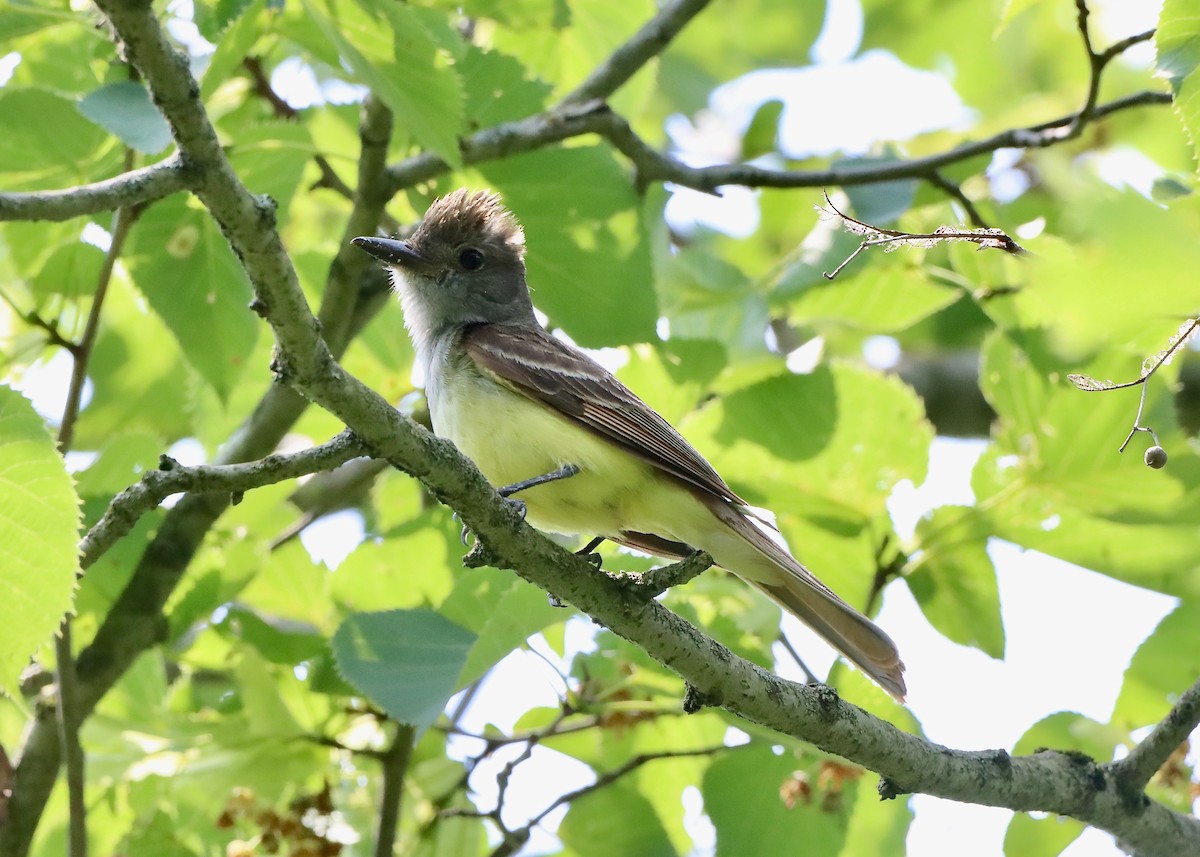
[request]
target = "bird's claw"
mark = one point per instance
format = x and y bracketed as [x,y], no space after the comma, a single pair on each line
[464,535]
[588,551]
[518,505]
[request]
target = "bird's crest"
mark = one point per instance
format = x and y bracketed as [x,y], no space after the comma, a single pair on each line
[469,217]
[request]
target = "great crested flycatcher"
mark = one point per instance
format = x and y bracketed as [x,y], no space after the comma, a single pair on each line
[521,404]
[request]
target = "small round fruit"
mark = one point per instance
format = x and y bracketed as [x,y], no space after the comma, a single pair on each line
[1156,457]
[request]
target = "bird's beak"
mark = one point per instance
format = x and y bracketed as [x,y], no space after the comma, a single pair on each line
[396,253]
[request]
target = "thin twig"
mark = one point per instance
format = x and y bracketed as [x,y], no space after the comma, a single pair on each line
[1136,769]
[82,352]
[68,736]
[497,741]
[53,336]
[630,58]
[395,767]
[651,165]
[1097,61]
[876,236]
[809,676]
[630,766]
[67,712]
[656,581]
[156,485]
[955,191]
[262,88]
[1149,366]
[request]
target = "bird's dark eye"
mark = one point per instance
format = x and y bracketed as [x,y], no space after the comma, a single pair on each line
[470,259]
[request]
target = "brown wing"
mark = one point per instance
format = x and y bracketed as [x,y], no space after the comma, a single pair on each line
[551,371]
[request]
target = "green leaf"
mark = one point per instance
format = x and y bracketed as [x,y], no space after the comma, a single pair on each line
[793,435]
[157,838]
[1178,41]
[705,297]
[954,582]
[122,461]
[21,19]
[416,565]
[124,110]
[1013,8]
[232,47]
[588,827]
[497,89]
[406,661]
[588,254]
[212,18]
[44,141]
[39,531]
[882,203]
[403,66]
[127,393]
[884,298]
[73,270]
[1043,836]
[1162,668]
[1054,481]
[183,265]
[744,795]
[267,714]
[762,134]
[271,158]
[278,641]
[1080,291]
[1070,732]
[877,827]
[522,611]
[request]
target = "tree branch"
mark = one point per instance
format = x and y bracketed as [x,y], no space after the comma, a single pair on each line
[555,126]
[610,777]
[514,839]
[132,188]
[631,57]
[1136,769]
[156,485]
[1097,61]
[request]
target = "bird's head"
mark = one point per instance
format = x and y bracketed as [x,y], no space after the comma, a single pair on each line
[464,264]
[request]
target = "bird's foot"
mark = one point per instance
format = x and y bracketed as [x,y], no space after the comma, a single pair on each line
[465,535]
[588,551]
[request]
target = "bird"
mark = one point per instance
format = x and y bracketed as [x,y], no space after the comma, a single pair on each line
[539,416]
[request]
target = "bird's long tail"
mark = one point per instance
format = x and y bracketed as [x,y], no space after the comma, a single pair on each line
[814,603]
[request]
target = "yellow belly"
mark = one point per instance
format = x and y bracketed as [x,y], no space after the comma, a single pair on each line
[512,438]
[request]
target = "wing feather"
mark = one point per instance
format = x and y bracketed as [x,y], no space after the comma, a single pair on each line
[551,371]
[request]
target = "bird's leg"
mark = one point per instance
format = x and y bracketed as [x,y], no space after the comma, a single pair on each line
[564,472]
[588,551]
